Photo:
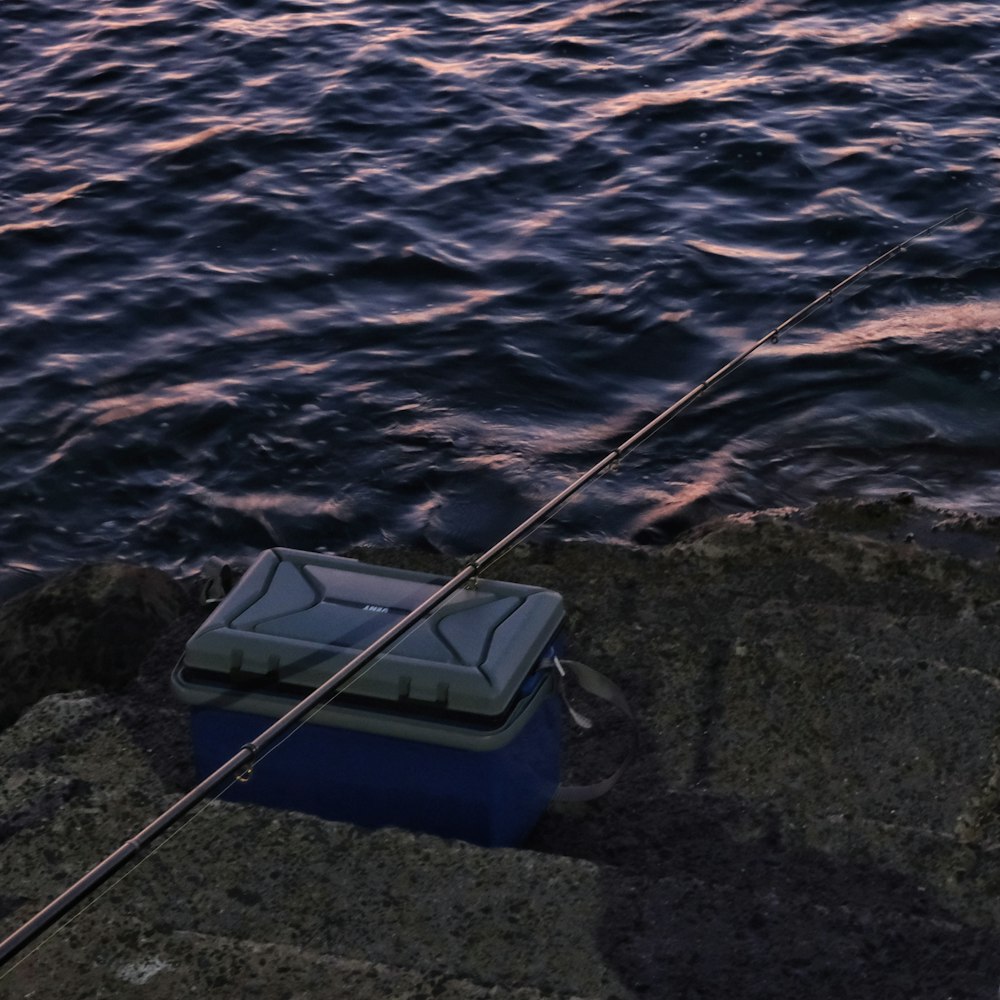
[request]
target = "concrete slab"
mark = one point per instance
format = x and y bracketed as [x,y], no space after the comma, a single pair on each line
[814,807]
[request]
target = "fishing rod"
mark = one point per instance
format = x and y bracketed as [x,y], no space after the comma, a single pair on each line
[242,762]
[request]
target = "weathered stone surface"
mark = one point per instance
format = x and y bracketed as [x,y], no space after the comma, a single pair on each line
[187,964]
[88,627]
[814,808]
[392,913]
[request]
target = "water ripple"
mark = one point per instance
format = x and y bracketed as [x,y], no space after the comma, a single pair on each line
[325,274]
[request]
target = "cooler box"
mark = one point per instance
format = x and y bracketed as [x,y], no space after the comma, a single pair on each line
[454,731]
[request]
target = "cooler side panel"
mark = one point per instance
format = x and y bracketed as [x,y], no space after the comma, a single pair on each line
[492,797]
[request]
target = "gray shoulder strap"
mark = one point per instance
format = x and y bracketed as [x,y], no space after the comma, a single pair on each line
[216,580]
[595,683]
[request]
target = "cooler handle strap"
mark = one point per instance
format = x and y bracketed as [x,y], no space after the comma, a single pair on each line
[595,683]
[216,580]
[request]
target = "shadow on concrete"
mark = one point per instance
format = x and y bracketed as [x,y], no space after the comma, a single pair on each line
[711,896]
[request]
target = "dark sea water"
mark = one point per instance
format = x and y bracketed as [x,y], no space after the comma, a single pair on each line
[321,273]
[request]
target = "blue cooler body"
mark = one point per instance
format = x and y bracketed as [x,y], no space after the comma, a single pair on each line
[454,731]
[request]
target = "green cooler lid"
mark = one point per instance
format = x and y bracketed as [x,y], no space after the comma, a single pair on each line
[298,616]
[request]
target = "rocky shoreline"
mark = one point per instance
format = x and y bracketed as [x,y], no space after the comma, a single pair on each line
[814,808]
